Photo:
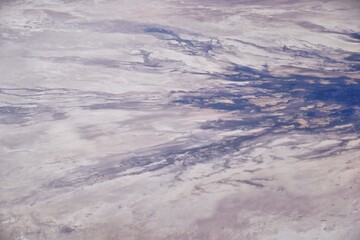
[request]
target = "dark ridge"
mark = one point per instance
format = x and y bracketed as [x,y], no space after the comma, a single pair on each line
[191,47]
[89,175]
[111,105]
[306,54]
[355,35]
[354,67]
[258,185]
[244,69]
[160,30]
[337,93]
[353,57]
[210,100]
[14,110]
[244,73]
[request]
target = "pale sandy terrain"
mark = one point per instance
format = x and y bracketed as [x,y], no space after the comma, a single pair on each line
[179,120]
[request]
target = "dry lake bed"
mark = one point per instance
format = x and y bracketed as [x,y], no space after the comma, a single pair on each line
[179,120]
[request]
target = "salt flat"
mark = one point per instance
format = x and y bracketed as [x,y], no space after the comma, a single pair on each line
[202,120]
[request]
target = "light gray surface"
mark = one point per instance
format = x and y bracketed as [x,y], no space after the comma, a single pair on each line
[151,120]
